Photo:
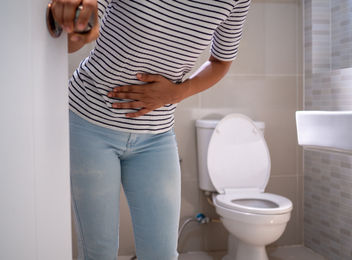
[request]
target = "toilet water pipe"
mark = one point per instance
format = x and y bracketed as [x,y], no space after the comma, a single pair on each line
[199,218]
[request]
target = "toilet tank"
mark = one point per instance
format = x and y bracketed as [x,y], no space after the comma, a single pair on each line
[205,128]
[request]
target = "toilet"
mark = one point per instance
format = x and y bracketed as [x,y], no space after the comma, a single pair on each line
[234,164]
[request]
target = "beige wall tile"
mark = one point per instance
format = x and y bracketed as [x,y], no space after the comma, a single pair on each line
[215,234]
[287,186]
[251,55]
[185,131]
[257,92]
[190,198]
[192,235]
[280,35]
[75,58]
[269,44]
[215,237]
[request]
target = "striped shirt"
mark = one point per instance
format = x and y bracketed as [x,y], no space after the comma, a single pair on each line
[151,36]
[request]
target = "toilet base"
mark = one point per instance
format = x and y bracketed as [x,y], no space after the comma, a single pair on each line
[238,250]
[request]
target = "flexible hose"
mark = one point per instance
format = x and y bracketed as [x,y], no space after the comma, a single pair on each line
[189,220]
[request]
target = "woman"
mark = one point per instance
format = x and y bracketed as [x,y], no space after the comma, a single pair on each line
[122,102]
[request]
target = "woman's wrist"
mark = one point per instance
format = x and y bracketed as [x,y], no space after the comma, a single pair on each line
[207,76]
[182,91]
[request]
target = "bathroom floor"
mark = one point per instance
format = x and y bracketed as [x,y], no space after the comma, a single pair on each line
[293,253]
[280,253]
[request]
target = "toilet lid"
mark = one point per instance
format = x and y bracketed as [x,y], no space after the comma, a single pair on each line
[238,157]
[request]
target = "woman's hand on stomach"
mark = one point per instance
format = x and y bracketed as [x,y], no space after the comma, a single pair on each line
[157,92]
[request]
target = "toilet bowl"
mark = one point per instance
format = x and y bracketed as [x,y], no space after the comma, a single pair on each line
[238,165]
[251,232]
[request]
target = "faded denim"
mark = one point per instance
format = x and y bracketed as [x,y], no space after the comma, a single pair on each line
[147,166]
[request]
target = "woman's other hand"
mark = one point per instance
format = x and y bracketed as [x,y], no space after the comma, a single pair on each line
[64,12]
[157,92]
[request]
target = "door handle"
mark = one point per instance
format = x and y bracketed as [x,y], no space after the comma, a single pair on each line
[55,29]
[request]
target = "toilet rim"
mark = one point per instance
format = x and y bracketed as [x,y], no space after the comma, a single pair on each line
[252,218]
[283,205]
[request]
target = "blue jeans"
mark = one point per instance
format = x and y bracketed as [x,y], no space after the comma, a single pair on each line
[147,165]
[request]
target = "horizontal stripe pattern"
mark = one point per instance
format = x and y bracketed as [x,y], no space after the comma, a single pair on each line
[152,36]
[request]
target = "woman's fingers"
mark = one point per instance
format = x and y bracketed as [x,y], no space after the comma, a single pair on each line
[130,88]
[89,8]
[69,13]
[141,112]
[132,104]
[57,9]
[125,95]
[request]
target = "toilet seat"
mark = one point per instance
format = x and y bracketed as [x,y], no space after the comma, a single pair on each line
[255,202]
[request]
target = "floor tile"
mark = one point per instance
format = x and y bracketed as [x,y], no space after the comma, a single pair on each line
[293,253]
[279,253]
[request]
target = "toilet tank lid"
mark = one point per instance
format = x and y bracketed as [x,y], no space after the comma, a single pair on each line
[207,123]
[211,123]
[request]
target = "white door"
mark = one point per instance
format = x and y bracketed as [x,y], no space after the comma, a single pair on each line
[35,214]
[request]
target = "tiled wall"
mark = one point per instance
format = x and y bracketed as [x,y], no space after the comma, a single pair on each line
[341,26]
[265,83]
[331,90]
[328,175]
[328,204]
[317,30]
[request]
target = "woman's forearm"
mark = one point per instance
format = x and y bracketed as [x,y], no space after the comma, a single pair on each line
[205,77]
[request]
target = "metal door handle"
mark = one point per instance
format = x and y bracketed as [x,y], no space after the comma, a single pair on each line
[55,29]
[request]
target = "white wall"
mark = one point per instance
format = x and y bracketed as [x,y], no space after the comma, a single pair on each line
[35,220]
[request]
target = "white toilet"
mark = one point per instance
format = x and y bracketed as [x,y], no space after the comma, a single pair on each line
[234,161]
